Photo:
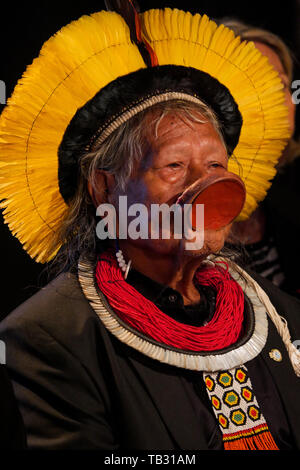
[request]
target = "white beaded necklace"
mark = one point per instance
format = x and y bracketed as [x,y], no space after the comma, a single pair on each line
[121,262]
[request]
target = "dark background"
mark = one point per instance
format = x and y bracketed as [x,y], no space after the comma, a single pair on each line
[26,26]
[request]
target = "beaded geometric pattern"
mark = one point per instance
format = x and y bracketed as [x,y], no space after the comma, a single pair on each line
[234,403]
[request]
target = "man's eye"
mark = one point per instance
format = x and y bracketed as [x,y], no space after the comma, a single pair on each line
[216,165]
[174,165]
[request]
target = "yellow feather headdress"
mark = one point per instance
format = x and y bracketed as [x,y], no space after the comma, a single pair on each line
[88,54]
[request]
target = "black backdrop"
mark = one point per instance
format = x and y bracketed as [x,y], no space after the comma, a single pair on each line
[24,28]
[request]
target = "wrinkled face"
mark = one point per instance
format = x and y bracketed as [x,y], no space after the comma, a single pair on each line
[277,64]
[181,153]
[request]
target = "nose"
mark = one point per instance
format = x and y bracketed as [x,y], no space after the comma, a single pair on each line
[223,196]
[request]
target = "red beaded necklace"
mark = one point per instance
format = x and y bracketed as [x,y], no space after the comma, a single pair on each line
[140,313]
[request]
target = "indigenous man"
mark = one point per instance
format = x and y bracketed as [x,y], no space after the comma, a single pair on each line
[151,342]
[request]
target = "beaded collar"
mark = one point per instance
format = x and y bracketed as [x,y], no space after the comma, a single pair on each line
[248,347]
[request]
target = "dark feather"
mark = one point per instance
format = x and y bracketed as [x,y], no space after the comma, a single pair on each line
[129,10]
[126,9]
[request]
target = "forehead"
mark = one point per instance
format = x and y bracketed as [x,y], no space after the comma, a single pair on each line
[181,130]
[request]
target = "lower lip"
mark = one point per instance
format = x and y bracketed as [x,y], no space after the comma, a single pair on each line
[222,200]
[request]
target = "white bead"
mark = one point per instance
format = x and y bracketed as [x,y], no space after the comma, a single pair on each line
[122,263]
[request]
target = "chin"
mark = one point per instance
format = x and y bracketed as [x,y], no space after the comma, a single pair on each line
[213,242]
[204,252]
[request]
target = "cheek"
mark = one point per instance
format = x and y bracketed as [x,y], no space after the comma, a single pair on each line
[159,191]
[136,192]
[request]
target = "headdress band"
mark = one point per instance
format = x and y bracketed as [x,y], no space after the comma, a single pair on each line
[105,131]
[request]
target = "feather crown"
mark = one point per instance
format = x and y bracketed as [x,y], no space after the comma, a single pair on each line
[96,53]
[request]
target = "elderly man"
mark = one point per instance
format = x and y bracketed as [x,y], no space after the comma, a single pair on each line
[146,342]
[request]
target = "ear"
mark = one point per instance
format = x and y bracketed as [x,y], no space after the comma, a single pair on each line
[102,188]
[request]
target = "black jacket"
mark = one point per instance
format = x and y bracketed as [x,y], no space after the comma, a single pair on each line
[81,388]
[12,429]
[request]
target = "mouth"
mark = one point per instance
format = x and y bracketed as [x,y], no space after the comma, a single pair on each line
[222,197]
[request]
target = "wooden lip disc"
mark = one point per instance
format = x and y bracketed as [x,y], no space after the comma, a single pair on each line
[223,200]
